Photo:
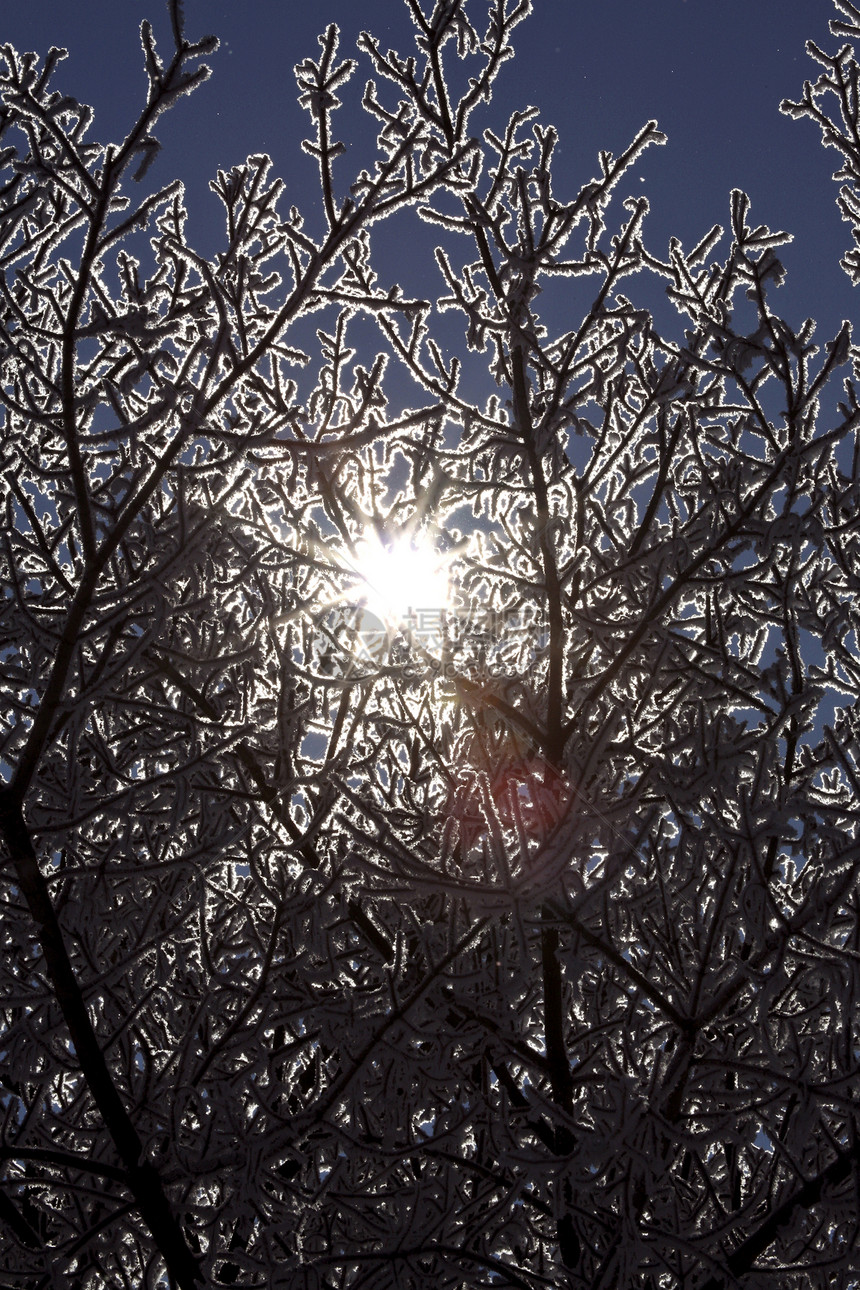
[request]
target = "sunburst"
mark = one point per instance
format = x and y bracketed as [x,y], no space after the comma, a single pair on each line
[400,579]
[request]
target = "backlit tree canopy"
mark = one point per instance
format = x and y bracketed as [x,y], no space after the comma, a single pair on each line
[430,727]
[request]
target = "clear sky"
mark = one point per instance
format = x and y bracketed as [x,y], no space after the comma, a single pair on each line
[712,73]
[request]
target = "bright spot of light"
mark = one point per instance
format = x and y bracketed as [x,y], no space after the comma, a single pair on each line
[399,578]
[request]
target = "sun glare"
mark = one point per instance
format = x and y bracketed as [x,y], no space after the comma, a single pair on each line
[400,580]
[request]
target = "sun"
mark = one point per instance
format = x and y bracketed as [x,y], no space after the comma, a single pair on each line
[401,581]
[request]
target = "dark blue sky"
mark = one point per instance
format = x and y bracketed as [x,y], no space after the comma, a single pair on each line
[711,73]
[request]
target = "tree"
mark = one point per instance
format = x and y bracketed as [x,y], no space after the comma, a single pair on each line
[514,945]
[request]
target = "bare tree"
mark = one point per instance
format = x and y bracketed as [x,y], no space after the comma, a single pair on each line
[364,934]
